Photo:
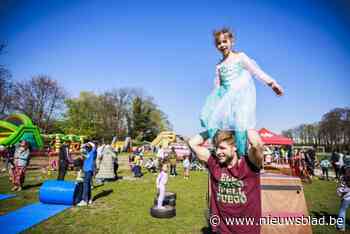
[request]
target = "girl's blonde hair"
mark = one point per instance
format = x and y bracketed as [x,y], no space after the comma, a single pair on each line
[226,32]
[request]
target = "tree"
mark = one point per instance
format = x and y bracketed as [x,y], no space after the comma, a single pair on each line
[148,120]
[119,112]
[333,131]
[140,117]
[334,128]
[6,91]
[6,87]
[41,98]
[81,115]
[288,133]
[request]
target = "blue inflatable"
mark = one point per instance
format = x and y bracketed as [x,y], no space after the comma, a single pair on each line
[60,192]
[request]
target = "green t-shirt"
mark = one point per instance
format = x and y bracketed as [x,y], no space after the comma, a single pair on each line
[325,163]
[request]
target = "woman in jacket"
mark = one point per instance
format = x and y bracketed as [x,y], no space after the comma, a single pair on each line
[21,160]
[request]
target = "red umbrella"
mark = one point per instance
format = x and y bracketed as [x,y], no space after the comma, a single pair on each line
[271,138]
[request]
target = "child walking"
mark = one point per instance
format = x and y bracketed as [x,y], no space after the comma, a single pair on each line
[162,179]
[231,105]
[325,164]
[186,165]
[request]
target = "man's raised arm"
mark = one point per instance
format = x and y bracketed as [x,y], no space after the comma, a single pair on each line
[256,148]
[196,145]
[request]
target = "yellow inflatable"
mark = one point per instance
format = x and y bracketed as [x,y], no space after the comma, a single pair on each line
[164,139]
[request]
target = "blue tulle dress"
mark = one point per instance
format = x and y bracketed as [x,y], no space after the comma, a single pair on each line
[232,104]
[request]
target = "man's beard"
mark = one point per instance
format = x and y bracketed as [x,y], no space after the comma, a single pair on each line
[227,161]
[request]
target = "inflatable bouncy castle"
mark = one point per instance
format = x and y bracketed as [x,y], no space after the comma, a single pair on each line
[17,127]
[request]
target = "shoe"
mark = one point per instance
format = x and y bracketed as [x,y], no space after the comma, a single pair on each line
[3,170]
[14,188]
[19,189]
[90,202]
[82,203]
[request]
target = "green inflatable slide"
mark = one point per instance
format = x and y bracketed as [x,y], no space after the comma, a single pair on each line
[17,127]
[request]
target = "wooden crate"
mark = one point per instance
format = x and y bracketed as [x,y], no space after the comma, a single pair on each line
[283,196]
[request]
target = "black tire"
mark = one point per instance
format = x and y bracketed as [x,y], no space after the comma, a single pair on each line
[169,195]
[166,213]
[166,202]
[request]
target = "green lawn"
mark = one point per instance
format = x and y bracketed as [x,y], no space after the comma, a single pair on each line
[123,206]
[322,200]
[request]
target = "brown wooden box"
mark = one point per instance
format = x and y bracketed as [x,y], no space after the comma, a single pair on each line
[283,196]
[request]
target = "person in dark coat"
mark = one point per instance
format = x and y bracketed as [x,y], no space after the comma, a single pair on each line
[312,157]
[64,159]
[335,163]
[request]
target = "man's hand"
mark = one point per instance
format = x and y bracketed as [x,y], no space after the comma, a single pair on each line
[195,144]
[257,147]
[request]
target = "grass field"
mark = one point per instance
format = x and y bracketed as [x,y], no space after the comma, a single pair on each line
[123,206]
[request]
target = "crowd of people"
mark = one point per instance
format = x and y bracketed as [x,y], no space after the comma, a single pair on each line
[161,155]
[301,162]
[95,160]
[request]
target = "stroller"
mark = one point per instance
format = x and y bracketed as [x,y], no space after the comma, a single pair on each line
[150,165]
[197,166]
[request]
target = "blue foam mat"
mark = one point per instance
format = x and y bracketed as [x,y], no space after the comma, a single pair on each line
[28,216]
[5,196]
[58,192]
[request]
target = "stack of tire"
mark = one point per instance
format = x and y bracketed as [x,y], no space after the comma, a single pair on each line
[169,203]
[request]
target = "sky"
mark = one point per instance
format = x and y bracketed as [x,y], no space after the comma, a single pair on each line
[166,48]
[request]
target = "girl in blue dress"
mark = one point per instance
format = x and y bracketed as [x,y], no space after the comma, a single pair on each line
[231,105]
